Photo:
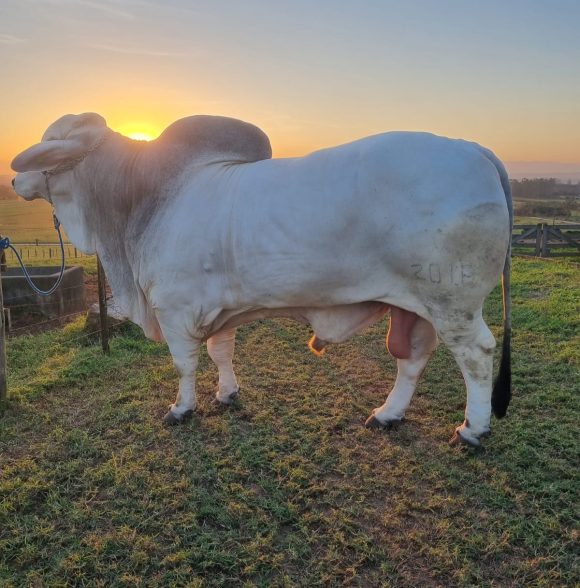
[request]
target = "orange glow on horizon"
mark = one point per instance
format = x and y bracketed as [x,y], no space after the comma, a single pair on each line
[138,130]
[513,145]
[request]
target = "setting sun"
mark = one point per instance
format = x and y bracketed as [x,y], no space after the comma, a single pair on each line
[139,136]
[138,130]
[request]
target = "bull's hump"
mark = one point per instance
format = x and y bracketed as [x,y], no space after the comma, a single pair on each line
[220,136]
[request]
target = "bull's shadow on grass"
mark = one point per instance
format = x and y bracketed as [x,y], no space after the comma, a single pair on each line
[286,488]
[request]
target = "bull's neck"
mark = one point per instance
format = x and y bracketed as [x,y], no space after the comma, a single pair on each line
[121,186]
[123,177]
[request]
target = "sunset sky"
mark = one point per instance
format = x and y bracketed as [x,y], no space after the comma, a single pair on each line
[309,73]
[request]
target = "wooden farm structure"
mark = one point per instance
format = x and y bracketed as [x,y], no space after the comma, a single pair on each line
[548,240]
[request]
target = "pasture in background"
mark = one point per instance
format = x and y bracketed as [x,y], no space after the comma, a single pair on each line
[546,200]
[27,222]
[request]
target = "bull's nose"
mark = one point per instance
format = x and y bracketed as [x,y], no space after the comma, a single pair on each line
[13,179]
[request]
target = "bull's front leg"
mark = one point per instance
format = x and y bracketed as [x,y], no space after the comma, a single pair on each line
[220,348]
[185,352]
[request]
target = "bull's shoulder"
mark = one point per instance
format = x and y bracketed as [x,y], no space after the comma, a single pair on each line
[218,135]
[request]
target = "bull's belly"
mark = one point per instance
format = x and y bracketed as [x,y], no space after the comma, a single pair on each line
[334,324]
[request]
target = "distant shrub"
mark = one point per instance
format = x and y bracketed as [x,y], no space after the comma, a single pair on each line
[543,209]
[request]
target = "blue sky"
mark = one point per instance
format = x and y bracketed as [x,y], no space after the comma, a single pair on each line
[311,74]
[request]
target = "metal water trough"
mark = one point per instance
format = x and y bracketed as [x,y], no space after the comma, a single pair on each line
[24,304]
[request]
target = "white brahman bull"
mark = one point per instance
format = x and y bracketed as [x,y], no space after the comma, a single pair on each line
[200,231]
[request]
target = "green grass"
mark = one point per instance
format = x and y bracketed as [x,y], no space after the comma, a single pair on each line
[534,220]
[25,222]
[287,488]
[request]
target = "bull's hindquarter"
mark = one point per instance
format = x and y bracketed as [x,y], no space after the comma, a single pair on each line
[416,222]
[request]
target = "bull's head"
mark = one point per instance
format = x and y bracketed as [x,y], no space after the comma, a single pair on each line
[45,170]
[63,143]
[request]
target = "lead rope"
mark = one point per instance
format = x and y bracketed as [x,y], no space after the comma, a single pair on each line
[5,244]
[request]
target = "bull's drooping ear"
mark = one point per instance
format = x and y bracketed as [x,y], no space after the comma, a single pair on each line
[46,155]
[71,126]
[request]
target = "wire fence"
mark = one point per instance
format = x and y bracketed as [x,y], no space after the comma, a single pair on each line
[61,289]
[28,328]
[111,308]
[45,252]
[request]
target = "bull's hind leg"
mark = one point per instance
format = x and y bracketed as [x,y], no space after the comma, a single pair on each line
[221,350]
[423,341]
[185,352]
[472,345]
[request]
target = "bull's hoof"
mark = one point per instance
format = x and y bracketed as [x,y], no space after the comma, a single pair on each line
[373,423]
[461,439]
[171,419]
[227,400]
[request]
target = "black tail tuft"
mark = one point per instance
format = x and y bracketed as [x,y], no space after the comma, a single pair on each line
[502,388]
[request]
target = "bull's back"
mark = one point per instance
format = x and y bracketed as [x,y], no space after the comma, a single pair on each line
[391,217]
[351,219]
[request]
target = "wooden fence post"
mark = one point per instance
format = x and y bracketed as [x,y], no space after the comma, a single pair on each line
[545,250]
[3,371]
[103,307]
[538,250]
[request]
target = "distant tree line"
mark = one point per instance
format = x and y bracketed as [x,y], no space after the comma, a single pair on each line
[543,189]
[546,197]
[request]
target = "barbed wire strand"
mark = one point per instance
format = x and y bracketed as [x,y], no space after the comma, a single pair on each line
[77,287]
[77,338]
[43,304]
[87,335]
[58,318]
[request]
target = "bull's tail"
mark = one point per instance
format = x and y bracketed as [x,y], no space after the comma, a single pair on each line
[502,387]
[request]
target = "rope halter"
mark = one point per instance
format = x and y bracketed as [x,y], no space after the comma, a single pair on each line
[69,165]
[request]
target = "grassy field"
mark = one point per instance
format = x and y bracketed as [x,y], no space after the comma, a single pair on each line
[287,488]
[25,222]
[534,220]
[560,212]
